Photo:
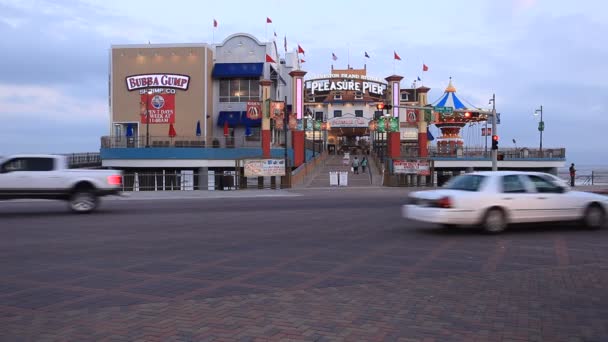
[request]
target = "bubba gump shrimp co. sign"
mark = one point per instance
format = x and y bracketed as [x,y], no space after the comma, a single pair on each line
[174,81]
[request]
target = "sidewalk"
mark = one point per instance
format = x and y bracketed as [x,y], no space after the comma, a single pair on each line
[201,194]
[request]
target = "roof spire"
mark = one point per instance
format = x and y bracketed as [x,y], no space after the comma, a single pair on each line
[450,88]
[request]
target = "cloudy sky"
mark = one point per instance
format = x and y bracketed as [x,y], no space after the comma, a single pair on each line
[54,65]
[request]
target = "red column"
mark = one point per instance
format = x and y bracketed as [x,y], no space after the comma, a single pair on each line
[423,151]
[266,143]
[297,135]
[297,140]
[265,118]
[394,145]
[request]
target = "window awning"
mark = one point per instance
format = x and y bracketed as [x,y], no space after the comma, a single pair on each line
[232,117]
[248,122]
[235,70]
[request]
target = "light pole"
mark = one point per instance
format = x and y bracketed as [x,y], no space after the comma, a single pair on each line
[541,127]
[494,152]
[148,93]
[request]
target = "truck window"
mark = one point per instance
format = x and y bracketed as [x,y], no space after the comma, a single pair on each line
[39,164]
[17,164]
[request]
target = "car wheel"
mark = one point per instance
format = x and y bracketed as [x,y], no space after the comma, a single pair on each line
[595,217]
[448,226]
[495,221]
[83,201]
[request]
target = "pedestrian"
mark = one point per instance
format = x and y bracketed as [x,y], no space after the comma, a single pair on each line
[356,166]
[572,174]
[363,164]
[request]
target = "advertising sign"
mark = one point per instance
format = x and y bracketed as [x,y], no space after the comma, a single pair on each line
[254,110]
[349,122]
[160,107]
[417,167]
[158,81]
[264,167]
[411,116]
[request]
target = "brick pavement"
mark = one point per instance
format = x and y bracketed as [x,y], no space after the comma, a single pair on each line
[313,280]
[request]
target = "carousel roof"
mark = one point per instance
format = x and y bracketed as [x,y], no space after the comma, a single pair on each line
[449,98]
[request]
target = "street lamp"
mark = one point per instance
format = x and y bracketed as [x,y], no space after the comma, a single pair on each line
[148,93]
[541,127]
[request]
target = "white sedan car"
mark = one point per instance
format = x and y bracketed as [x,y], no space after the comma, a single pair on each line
[493,199]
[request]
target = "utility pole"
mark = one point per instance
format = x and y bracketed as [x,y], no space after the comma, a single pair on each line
[541,128]
[494,119]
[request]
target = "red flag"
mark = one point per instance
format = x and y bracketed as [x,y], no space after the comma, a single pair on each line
[172,131]
[300,50]
[425,68]
[268,21]
[396,56]
[269,59]
[226,128]
[302,61]
[214,23]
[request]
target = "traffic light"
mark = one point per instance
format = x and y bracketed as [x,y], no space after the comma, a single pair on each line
[388,107]
[495,142]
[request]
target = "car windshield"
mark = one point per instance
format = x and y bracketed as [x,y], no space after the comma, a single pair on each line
[465,182]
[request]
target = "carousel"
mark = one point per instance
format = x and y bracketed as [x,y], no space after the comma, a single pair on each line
[450,124]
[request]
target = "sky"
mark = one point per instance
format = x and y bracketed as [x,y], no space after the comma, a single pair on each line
[54,61]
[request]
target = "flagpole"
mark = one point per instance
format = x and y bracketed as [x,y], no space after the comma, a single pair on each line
[348,56]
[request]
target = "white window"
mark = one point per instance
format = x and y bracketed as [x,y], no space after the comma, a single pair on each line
[239,90]
[338,96]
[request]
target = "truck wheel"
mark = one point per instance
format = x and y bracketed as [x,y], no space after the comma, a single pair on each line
[83,201]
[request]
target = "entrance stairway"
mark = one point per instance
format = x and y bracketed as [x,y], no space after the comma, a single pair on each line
[320,179]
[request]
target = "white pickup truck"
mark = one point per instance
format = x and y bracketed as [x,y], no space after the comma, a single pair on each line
[48,177]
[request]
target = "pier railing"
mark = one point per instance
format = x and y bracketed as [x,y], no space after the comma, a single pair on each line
[503,153]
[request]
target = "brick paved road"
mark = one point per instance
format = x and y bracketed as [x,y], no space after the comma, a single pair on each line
[326,266]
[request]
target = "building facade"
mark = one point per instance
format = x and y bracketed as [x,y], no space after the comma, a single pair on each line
[164,96]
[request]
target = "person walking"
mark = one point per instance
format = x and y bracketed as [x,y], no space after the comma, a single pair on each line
[356,166]
[363,164]
[572,174]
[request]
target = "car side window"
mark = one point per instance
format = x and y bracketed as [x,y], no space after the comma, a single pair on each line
[543,185]
[17,164]
[39,164]
[513,184]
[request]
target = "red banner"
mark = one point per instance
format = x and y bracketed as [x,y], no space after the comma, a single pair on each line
[254,110]
[161,108]
[277,109]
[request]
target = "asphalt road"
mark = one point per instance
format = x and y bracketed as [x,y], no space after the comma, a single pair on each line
[333,265]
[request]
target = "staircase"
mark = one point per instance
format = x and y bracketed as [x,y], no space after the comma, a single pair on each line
[371,177]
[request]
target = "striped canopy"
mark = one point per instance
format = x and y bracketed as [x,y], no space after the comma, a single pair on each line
[449,99]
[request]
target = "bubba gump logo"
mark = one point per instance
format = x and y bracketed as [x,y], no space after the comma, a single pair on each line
[175,81]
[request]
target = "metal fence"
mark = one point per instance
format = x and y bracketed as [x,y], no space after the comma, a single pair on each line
[88,159]
[587,178]
[180,141]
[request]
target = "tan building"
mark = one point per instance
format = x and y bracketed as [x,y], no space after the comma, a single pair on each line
[172,82]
